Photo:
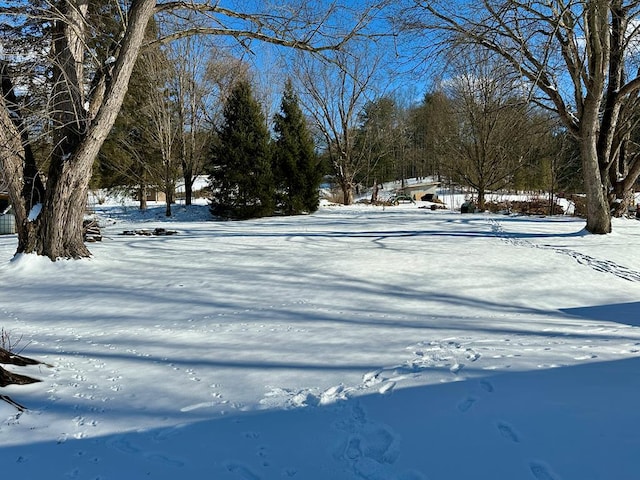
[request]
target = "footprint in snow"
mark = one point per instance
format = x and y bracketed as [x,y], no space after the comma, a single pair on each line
[122,445]
[159,458]
[508,432]
[75,473]
[466,404]
[541,471]
[242,471]
[166,433]
[486,386]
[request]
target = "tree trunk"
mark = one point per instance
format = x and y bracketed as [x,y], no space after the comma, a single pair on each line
[347,192]
[481,200]
[168,199]
[142,195]
[187,175]
[60,233]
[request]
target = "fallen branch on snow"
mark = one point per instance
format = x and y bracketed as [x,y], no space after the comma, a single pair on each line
[10,378]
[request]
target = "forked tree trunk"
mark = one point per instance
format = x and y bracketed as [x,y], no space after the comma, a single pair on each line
[56,232]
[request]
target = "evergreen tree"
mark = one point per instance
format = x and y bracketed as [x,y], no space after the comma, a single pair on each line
[241,179]
[297,168]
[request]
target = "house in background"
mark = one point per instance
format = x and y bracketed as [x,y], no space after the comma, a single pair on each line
[425,192]
[7,220]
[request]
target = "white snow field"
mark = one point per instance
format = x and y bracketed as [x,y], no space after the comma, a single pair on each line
[356,343]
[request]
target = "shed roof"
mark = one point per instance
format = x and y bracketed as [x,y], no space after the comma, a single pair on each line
[420,187]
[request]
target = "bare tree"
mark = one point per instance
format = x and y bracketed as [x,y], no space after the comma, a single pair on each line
[162,124]
[430,125]
[493,137]
[379,139]
[89,78]
[194,85]
[334,93]
[579,58]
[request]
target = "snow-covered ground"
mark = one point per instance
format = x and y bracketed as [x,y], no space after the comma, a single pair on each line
[356,343]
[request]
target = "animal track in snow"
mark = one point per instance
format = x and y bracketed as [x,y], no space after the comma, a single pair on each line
[604,266]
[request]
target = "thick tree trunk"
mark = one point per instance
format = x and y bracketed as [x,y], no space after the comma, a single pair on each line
[60,229]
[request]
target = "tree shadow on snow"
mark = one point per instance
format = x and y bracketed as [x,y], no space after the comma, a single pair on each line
[626,313]
[573,422]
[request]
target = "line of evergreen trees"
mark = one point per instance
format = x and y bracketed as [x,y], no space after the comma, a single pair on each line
[253,175]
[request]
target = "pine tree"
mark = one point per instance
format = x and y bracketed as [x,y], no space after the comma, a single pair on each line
[240,169]
[297,168]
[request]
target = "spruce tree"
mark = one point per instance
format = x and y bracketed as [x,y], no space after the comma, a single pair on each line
[296,165]
[240,169]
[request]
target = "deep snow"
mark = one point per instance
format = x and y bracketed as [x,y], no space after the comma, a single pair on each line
[355,343]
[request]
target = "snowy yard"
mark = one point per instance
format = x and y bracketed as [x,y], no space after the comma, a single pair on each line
[355,343]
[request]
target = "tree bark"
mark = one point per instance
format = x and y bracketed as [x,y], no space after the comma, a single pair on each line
[598,214]
[347,193]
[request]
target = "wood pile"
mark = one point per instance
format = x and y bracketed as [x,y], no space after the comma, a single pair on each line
[538,206]
[149,233]
[91,231]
